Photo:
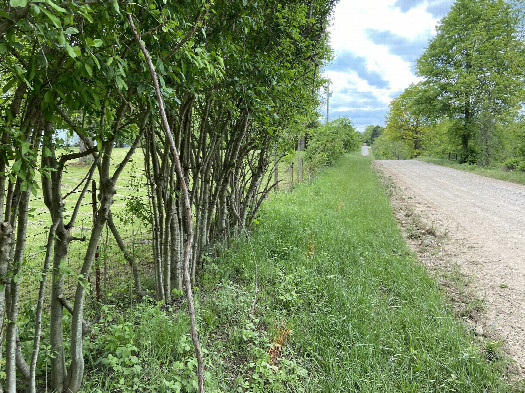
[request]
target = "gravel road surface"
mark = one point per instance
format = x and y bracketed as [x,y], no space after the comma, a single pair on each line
[364,150]
[484,220]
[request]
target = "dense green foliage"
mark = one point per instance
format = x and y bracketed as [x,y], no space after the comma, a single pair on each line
[208,90]
[371,133]
[328,142]
[473,89]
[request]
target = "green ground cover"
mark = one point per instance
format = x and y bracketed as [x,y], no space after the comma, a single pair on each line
[323,296]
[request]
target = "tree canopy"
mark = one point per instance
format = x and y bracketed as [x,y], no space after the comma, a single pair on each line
[474,65]
[206,89]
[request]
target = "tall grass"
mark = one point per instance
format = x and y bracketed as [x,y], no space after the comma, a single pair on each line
[323,296]
[327,261]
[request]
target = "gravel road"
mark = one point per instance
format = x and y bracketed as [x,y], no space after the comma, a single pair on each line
[484,220]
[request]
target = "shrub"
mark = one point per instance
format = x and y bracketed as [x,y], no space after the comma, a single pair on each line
[329,142]
[386,149]
[514,164]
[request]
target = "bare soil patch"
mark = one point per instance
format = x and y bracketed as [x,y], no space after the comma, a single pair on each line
[469,231]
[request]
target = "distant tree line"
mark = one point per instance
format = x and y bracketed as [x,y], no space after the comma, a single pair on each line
[469,104]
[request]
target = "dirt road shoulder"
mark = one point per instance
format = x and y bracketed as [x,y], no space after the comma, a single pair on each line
[449,220]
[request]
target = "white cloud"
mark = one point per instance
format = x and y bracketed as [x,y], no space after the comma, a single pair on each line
[349,32]
[359,108]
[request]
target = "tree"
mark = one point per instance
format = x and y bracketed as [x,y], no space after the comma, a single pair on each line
[221,81]
[329,141]
[371,133]
[405,122]
[474,65]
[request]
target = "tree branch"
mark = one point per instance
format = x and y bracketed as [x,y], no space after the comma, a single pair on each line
[187,204]
[85,326]
[79,200]
[188,35]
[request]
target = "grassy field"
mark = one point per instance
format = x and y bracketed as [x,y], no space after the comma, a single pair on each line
[496,172]
[132,184]
[328,269]
[324,296]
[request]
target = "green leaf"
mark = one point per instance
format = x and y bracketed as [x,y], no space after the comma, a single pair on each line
[34,188]
[8,85]
[25,147]
[97,43]
[116,6]
[35,10]
[99,143]
[48,97]
[89,69]
[52,18]
[18,70]
[71,30]
[61,39]
[55,6]
[18,3]
[3,47]
[95,60]
[120,83]
[96,101]
[16,167]
[72,51]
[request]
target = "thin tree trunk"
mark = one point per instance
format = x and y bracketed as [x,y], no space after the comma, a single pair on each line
[187,206]
[276,169]
[56,334]
[40,308]
[127,256]
[13,294]
[166,249]
[107,191]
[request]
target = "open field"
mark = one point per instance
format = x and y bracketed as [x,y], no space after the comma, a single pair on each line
[132,186]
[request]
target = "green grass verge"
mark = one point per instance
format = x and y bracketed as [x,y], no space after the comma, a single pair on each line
[323,296]
[332,267]
[495,172]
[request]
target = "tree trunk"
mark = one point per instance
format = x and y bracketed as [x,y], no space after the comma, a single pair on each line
[56,334]
[12,294]
[187,206]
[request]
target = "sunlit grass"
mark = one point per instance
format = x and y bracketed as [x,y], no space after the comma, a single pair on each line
[328,262]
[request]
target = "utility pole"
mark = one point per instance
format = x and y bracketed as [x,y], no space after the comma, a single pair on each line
[328,95]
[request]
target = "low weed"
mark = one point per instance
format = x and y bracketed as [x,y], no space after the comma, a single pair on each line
[341,306]
[323,296]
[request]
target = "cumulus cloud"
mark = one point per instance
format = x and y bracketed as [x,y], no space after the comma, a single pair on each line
[408,49]
[376,44]
[347,61]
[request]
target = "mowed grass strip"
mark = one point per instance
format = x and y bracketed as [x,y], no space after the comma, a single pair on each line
[330,264]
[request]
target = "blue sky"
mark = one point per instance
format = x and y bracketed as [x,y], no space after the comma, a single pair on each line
[376,45]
